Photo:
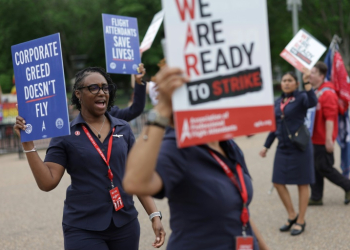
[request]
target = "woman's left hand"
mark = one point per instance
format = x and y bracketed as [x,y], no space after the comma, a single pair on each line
[141,69]
[159,232]
[263,152]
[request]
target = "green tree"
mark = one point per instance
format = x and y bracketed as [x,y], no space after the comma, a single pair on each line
[80,26]
[321,18]
[79,23]
[326,18]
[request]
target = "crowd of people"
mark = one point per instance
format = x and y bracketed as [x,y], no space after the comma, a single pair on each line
[107,166]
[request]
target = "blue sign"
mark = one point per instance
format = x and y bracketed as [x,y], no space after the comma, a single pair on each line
[310,119]
[121,37]
[41,90]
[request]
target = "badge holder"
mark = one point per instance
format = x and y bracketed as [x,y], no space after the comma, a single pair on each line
[116,199]
[115,194]
[244,242]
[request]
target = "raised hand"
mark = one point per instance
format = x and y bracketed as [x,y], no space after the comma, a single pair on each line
[141,69]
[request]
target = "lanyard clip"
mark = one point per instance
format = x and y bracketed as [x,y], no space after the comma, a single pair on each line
[244,233]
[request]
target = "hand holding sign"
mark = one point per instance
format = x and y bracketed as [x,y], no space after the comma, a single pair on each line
[168,80]
[142,71]
[19,125]
[306,75]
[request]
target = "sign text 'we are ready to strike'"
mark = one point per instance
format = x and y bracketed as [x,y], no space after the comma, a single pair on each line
[223,45]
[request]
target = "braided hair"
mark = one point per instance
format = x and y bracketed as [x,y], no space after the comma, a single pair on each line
[79,78]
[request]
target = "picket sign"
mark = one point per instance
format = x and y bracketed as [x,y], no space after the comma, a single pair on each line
[223,45]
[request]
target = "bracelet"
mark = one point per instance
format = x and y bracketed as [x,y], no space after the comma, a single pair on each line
[155,214]
[145,136]
[28,151]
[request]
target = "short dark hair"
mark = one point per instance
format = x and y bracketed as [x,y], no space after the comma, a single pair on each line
[292,74]
[322,68]
[80,76]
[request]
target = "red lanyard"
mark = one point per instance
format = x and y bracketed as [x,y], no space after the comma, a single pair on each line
[243,190]
[284,104]
[110,174]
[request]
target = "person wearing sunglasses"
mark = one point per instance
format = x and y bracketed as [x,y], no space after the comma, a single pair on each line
[98,214]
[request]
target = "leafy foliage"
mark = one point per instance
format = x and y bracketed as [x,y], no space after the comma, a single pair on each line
[79,23]
[80,26]
[321,18]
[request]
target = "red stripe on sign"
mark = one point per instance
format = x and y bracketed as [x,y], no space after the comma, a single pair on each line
[201,126]
[286,55]
[38,99]
[123,60]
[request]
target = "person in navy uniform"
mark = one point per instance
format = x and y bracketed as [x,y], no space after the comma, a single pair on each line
[292,166]
[205,205]
[92,219]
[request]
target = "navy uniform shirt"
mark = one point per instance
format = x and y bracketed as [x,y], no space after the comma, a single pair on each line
[88,203]
[205,206]
[136,107]
[294,113]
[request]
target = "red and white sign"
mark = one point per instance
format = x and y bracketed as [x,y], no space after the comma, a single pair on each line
[223,45]
[303,51]
[152,31]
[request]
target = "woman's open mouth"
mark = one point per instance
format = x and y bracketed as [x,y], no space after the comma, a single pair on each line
[101,104]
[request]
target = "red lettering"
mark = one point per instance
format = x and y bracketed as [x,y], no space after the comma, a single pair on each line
[241,82]
[256,79]
[225,83]
[217,88]
[182,10]
[191,65]
[189,38]
[234,84]
[248,82]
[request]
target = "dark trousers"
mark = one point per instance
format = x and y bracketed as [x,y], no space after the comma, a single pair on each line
[113,238]
[324,168]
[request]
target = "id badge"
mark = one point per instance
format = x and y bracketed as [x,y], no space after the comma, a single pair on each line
[116,199]
[244,243]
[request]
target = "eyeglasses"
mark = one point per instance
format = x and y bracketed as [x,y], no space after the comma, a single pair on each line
[94,88]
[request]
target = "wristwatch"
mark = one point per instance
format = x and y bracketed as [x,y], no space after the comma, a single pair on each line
[154,118]
[155,214]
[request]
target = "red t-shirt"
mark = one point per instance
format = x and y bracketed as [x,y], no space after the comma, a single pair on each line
[326,110]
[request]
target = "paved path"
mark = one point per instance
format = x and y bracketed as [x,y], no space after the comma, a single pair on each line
[31,219]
